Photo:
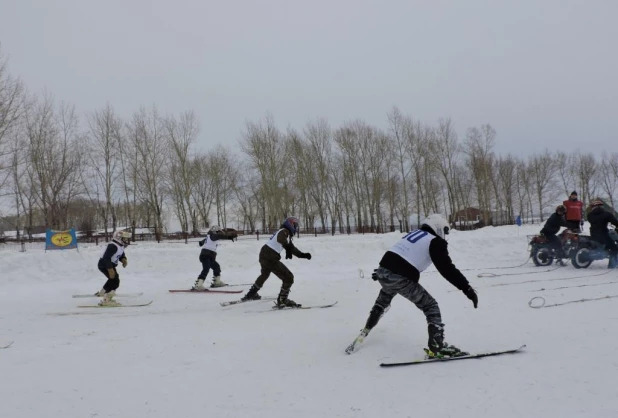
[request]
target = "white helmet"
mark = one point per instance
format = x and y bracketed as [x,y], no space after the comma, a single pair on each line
[438,225]
[122,237]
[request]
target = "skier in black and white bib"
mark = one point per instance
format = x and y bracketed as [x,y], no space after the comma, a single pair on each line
[270,262]
[208,257]
[113,254]
[399,273]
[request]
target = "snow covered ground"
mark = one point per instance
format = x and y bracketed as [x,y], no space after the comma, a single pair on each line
[186,356]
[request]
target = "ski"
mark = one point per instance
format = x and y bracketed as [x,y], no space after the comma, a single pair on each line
[237,284]
[2,347]
[432,360]
[234,302]
[119,295]
[203,291]
[287,308]
[357,343]
[133,305]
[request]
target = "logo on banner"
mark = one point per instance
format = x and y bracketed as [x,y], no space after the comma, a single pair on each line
[60,240]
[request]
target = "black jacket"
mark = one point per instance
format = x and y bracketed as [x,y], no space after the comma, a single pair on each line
[215,237]
[438,252]
[553,224]
[599,218]
[106,260]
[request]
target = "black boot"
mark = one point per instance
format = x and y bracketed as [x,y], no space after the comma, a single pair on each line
[252,294]
[284,302]
[437,347]
[374,316]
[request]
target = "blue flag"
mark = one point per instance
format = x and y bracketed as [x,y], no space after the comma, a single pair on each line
[518,220]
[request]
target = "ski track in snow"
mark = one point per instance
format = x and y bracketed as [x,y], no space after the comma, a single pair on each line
[186,356]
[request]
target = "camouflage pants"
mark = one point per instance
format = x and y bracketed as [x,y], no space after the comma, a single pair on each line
[394,284]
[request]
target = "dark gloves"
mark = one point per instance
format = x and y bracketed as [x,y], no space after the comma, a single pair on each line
[288,253]
[471,294]
[202,242]
[307,256]
[374,276]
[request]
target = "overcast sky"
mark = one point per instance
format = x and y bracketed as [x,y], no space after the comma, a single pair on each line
[542,72]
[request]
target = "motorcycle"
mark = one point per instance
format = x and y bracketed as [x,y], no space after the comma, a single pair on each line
[591,251]
[543,254]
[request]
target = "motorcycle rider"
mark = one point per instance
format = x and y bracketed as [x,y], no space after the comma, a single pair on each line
[551,228]
[599,218]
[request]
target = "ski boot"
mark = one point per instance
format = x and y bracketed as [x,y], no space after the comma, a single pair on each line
[358,341]
[437,348]
[284,302]
[252,294]
[216,282]
[100,293]
[199,285]
[108,299]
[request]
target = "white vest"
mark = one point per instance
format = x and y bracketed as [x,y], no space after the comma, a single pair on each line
[117,255]
[210,244]
[414,248]
[274,244]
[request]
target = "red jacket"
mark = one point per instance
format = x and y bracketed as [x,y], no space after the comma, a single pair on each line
[574,210]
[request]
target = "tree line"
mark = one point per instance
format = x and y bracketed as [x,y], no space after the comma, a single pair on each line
[103,171]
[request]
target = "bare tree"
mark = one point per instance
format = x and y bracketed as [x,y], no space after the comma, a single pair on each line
[543,171]
[608,175]
[587,175]
[445,150]
[264,144]
[103,156]
[401,131]
[54,157]
[479,150]
[566,169]
[181,135]
[147,134]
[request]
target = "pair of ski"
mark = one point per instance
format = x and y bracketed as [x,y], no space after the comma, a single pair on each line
[120,295]
[356,344]
[276,308]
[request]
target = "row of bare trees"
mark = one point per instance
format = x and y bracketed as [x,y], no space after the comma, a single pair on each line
[104,171]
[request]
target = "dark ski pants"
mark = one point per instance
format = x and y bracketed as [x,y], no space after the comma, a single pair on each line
[110,284]
[394,284]
[573,225]
[208,262]
[276,267]
[554,243]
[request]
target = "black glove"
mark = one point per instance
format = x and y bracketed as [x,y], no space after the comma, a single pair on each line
[471,294]
[288,254]
[202,242]
[307,256]
[374,276]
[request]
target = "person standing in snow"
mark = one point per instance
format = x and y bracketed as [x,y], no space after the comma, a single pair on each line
[599,218]
[574,212]
[113,254]
[551,228]
[208,257]
[399,274]
[270,262]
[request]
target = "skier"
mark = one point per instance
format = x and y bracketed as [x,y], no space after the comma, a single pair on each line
[113,254]
[574,213]
[399,273]
[208,257]
[599,218]
[551,228]
[270,262]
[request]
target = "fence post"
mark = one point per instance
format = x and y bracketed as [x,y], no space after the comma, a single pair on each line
[23,247]
[257,234]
